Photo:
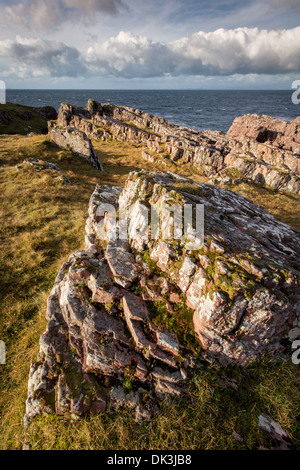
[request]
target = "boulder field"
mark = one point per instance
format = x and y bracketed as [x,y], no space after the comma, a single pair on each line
[130,320]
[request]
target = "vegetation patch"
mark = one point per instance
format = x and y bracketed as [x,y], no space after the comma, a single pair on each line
[18,119]
[180,321]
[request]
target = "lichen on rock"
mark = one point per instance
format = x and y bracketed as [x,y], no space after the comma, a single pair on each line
[123,316]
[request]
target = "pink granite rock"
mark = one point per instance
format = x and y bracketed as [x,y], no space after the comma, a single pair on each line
[261,148]
[108,345]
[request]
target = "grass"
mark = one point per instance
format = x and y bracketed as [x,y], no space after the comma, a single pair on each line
[23,119]
[42,224]
[283,206]
[206,419]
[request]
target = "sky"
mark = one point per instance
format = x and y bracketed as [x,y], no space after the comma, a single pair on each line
[150,44]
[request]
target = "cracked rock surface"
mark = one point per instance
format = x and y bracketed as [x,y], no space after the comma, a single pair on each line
[129,319]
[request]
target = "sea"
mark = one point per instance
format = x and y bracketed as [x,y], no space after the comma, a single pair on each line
[197,109]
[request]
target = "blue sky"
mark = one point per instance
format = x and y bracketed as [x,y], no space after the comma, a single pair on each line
[225,44]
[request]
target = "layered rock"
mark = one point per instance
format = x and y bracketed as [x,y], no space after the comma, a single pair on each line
[125,314]
[266,129]
[243,283]
[267,150]
[259,149]
[76,140]
[100,125]
[101,350]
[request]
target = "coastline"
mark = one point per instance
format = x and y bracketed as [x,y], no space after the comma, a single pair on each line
[198,109]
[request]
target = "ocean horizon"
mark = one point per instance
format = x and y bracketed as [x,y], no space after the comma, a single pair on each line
[197,109]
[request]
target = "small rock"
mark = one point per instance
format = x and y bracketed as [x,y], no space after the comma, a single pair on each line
[276,432]
[294,334]
[237,437]
[121,262]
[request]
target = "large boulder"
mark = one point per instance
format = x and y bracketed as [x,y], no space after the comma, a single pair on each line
[128,317]
[266,150]
[266,129]
[76,140]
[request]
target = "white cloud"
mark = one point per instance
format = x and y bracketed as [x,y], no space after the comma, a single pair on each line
[222,52]
[241,50]
[37,58]
[128,55]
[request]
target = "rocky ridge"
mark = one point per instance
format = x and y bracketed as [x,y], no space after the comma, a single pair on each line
[256,148]
[128,320]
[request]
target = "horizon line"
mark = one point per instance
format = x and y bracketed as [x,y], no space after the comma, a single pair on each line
[149,89]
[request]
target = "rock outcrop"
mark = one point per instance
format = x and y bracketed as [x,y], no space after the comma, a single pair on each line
[267,150]
[266,129]
[256,148]
[101,350]
[128,317]
[76,140]
[243,283]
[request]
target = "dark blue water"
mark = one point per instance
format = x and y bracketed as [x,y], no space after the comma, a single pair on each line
[198,109]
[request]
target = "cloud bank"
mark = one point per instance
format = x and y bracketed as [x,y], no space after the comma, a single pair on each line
[221,52]
[217,53]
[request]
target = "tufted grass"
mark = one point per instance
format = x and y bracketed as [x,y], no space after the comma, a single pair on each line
[42,222]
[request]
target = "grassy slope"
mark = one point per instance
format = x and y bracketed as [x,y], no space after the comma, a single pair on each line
[42,223]
[24,119]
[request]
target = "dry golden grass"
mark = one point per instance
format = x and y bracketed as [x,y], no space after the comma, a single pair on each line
[284,207]
[42,224]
